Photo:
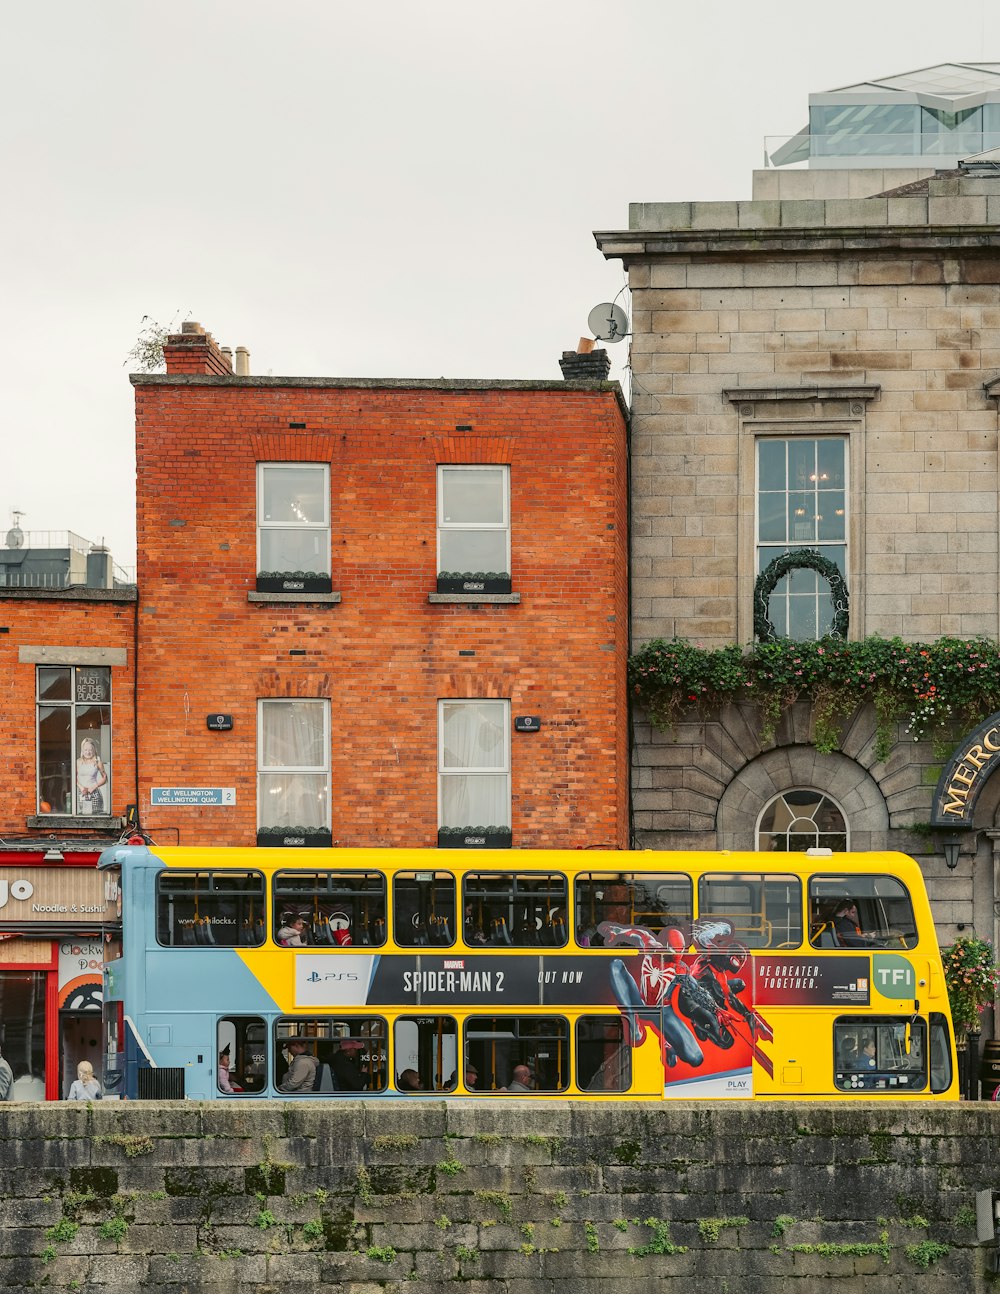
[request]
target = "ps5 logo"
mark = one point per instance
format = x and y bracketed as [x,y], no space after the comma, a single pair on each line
[313,978]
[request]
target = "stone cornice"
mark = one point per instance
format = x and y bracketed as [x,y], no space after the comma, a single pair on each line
[631,244]
[753,394]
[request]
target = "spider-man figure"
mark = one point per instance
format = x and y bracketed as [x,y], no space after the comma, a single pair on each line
[717,969]
[667,990]
[663,976]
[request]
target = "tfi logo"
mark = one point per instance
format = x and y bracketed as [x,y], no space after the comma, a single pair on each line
[15,890]
[893,976]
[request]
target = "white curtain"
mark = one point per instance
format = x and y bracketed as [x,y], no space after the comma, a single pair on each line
[475,781]
[294,764]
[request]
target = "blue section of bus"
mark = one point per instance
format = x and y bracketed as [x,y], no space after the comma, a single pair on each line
[203,975]
[178,1037]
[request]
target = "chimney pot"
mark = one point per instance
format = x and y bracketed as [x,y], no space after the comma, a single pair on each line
[193,350]
[242,362]
[584,367]
[585,345]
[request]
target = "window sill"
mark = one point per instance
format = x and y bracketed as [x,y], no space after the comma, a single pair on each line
[474,599]
[327,598]
[56,822]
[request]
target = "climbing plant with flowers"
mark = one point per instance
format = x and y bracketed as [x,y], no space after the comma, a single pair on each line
[929,686]
[972,976]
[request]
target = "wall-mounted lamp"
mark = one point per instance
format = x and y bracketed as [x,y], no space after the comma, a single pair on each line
[951,847]
[52,856]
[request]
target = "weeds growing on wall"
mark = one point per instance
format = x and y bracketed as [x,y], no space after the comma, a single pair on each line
[929,686]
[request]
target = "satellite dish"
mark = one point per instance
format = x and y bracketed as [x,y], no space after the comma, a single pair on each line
[15,537]
[608,322]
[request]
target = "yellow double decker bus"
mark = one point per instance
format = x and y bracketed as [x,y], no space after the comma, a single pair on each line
[589,975]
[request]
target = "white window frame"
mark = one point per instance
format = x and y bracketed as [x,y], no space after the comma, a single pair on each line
[504,524]
[810,817]
[323,527]
[776,547]
[473,770]
[273,770]
[73,705]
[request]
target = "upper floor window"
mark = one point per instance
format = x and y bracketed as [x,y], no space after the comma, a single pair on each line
[760,910]
[74,739]
[802,819]
[851,911]
[293,527]
[293,772]
[474,772]
[802,503]
[473,530]
[210,908]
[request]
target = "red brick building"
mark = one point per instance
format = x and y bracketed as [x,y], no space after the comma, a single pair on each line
[381,612]
[66,676]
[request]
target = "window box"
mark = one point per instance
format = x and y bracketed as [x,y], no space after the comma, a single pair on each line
[474,838]
[294,838]
[293,582]
[473,582]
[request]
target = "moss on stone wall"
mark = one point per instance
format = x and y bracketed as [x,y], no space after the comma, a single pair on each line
[391,1195]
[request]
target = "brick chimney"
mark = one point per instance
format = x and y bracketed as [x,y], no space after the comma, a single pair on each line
[193,350]
[585,364]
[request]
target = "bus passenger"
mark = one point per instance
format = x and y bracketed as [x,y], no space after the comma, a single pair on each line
[225,1082]
[867,1058]
[302,1067]
[523,1081]
[845,924]
[293,933]
[409,1081]
[346,1067]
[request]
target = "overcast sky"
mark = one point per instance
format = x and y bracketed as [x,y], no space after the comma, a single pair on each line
[392,188]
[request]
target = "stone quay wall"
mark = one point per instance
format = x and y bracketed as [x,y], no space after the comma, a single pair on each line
[498,1197]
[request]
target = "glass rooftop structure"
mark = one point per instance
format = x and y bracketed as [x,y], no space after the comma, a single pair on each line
[932,117]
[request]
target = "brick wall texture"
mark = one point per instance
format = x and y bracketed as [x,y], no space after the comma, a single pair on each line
[384,654]
[67,621]
[493,1199]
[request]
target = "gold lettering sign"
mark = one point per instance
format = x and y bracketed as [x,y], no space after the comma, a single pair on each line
[962,778]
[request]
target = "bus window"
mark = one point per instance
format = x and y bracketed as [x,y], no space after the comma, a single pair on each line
[330,1055]
[762,911]
[875,1053]
[860,912]
[425,1053]
[331,909]
[941,1076]
[519,910]
[241,1048]
[518,1053]
[603,1058]
[653,900]
[423,909]
[195,909]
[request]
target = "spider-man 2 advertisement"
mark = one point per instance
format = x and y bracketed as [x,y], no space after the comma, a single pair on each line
[699,1005]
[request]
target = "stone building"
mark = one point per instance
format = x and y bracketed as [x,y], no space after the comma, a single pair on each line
[815,368]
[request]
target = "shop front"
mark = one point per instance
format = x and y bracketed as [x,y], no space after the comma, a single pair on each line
[51,911]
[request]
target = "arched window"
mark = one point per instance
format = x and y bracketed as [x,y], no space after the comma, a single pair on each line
[799,820]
